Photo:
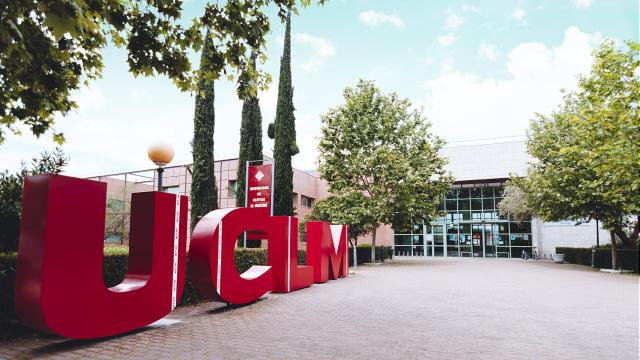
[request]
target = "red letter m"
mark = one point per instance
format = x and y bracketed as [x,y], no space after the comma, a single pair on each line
[327,250]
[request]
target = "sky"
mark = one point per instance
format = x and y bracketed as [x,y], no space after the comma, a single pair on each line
[480,70]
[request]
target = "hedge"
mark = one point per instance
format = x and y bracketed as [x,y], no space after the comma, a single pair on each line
[364,253]
[115,266]
[627,258]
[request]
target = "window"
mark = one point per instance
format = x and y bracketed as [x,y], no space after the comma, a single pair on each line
[232,189]
[306,201]
[172,189]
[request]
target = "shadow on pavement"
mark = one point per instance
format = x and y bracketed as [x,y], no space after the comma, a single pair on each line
[74,344]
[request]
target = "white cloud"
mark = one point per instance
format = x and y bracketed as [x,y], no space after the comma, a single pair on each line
[465,106]
[518,14]
[447,65]
[488,51]
[375,18]
[582,4]
[453,20]
[323,50]
[447,39]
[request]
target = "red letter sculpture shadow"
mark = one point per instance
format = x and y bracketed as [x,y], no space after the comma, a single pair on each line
[327,250]
[212,256]
[59,282]
[283,257]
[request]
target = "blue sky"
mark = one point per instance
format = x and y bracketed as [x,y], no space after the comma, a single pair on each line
[480,69]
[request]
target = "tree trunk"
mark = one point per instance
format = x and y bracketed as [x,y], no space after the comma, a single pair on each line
[614,254]
[628,241]
[373,245]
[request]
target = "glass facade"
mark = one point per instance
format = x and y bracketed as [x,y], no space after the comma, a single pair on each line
[471,227]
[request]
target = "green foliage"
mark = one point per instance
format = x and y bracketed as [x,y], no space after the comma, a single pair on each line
[271,131]
[284,131]
[380,158]
[250,143]
[364,253]
[49,48]
[204,192]
[588,151]
[514,203]
[343,210]
[8,322]
[11,193]
[627,258]
[114,268]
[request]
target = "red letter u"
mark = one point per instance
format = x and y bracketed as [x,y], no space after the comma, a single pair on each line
[59,281]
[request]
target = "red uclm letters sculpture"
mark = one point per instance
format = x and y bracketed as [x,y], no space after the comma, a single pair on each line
[59,281]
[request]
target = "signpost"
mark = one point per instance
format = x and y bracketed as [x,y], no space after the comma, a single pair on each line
[258,189]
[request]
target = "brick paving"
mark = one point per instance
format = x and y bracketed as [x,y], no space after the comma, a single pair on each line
[410,308]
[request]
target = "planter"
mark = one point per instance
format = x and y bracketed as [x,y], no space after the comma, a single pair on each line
[559,258]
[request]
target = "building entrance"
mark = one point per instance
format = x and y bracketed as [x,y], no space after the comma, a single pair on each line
[471,226]
[484,238]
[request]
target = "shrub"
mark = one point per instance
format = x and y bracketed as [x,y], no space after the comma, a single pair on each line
[11,193]
[627,258]
[364,253]
[8,321]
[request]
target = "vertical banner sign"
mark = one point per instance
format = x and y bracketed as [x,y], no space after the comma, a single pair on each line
[259,187]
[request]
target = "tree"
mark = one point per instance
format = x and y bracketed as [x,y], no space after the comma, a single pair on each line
[250,143]
[588,151]
[380,158]
[49,48]
[514,202]
[11,193]
[283,130]
[204,192]
[344,209]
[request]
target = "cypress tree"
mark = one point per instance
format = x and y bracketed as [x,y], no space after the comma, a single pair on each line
[204,192]
[283,130]
[250,142]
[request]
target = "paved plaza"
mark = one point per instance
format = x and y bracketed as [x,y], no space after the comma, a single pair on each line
[410,308]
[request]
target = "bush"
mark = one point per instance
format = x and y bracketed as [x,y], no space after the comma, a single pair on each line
[11,194]
[114,268]
[627,258]
[364,253]
[8,320]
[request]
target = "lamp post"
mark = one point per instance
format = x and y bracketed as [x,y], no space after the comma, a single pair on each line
[161,153]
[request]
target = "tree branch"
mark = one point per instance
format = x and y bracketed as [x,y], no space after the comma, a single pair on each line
[622,235]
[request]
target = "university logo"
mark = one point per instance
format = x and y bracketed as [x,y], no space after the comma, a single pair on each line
[59,281]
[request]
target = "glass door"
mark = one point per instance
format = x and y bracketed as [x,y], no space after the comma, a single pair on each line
[490,239]
[484,239]
[428,245]
[477,233]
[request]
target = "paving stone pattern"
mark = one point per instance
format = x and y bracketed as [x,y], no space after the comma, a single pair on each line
[407,309]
